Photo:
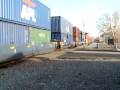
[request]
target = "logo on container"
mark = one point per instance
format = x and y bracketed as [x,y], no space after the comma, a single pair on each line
[29,3]
[28,12]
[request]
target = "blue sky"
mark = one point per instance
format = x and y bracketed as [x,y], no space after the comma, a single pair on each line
[77,11]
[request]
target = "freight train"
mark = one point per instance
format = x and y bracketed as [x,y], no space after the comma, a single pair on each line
[26,28]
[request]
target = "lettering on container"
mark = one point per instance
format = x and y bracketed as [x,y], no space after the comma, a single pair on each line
[28,12]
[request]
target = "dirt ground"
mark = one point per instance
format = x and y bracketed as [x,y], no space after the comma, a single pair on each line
[48,73]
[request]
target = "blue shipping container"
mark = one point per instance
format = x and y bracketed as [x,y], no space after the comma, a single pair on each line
[55,24]
[13,34]
[62,28]
[55,36]
[29,12]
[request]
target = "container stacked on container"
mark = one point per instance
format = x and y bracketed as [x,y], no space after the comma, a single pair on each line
[24,28]
[76,35]
[62,32]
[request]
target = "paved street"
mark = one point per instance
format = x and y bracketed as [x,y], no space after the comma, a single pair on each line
[96,52]
[46,72]
[90,55]
[93,45]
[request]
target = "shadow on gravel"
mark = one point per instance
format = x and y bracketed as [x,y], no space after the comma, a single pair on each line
[19,59]
[44,59]
[13,60]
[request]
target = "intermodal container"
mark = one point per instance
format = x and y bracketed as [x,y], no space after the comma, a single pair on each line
[13,34]
[76,34]
[28,12]
[67,38]
[41,40]
[88,39]
[82,37]
[66,26]
[56,36]
[56,24]
[39,36]
[61,30]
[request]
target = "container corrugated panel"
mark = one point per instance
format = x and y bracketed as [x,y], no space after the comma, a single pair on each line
[66,26]
[63,27]
[7,53]
[76,34]
[70,39]
[55,36]
[55,24]
[67,38]
[67,30]
[88,39]
[39,36]
[13,34]
[30,12]
[59,24]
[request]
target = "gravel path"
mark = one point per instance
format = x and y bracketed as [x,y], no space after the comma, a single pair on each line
[42,73]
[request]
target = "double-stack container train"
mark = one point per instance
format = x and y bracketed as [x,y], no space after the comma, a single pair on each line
[24,29]
[61,32]
[27,28]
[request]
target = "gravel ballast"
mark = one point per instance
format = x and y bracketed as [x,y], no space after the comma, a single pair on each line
[37,74]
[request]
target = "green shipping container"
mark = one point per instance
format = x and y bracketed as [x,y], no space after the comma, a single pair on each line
[39,36]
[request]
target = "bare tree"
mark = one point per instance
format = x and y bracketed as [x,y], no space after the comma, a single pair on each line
[109,24]
[115,26]
[103,23]
[115,19]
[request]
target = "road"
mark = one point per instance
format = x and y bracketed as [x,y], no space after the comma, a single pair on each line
[44,73]
[90,55]
[96,52]
[93,45]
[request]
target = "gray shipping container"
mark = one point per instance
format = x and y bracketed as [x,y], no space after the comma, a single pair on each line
[62,28]
[13,34]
